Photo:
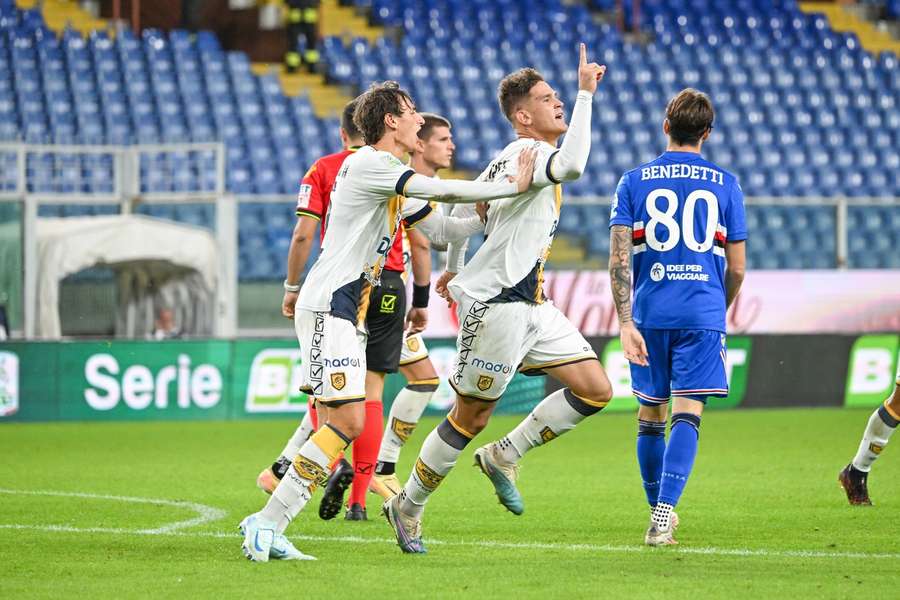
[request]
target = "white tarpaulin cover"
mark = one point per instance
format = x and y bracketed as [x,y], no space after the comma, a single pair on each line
[155,261]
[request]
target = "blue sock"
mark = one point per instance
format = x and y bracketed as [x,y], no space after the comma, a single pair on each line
[651,445]
[679,458]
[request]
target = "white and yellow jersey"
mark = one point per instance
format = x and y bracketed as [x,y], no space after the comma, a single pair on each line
[368,201]
[367,204]
[509,265]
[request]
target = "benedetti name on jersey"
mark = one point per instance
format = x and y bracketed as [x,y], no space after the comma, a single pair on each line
[682,171]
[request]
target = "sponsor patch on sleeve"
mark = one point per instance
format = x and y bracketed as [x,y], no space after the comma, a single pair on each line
[303,196]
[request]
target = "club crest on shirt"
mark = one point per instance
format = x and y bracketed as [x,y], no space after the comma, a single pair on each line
[338,381]
[485,382]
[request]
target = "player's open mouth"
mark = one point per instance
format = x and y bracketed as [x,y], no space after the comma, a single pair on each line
[560,116]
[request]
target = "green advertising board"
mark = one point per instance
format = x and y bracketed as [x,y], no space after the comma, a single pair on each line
[871,370]
[266,378]
[131,380]
[618,370]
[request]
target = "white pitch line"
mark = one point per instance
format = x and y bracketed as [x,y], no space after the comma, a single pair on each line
[598,548]
[205,514]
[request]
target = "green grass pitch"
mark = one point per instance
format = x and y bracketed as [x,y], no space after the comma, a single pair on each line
[762,516]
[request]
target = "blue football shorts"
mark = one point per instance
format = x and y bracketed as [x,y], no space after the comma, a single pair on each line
[683,362]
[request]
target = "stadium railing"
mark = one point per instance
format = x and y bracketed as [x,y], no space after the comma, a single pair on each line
[120,176]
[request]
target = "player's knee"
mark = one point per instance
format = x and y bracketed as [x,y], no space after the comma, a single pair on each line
[350,425]
[472,416]
[597,392]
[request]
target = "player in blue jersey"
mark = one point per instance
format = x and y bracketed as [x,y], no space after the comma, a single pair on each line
[682,218]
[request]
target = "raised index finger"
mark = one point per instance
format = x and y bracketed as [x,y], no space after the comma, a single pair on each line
[583,59]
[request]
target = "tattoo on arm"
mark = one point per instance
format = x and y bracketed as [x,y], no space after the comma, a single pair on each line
[620,247]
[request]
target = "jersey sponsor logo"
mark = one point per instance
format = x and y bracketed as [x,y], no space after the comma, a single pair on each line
[303,196]
[491,366]
[678,272]
[388,304]
[485,382]
[496,168]
[338,381]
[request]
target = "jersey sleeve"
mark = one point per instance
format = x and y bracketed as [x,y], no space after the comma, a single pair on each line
[383,175]
[621,211]
[543,166]
[735,218]
[312,197]
[414,210]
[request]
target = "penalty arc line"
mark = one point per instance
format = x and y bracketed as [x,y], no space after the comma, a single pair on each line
[205,514]
[599,548]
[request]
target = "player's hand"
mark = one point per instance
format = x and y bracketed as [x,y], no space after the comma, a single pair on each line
[482,209]
[633,345]
[441,286]
[287,305]
[589,74]
[526,169]
[416,320]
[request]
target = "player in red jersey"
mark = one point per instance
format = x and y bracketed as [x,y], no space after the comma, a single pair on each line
[384,320]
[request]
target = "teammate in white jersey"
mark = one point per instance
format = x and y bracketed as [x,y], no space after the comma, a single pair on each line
[506,323]
[434,151]
[368,201]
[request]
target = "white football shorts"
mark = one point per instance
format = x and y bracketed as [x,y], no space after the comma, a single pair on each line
[413,350]
[332,358]
[497,339]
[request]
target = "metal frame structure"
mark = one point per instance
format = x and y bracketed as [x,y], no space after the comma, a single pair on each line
[125,193]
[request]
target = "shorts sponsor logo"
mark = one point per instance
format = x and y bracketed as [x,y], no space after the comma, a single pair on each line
[495,367]
[274,382]
[413,344]
[388,304]
[657,272]
[9,383]
[346,361]
[427,476]
[485,382]
[338,381]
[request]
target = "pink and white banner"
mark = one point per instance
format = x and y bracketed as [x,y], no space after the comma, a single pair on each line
[803,301]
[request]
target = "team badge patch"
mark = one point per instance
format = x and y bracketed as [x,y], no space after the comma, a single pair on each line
[402,429]
[338,381]
[547,434]
[427,476]
[485,382]
[309,470]
[413,344]
[875,448]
